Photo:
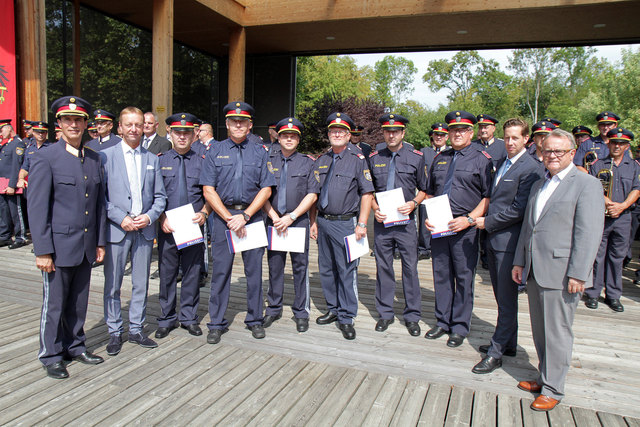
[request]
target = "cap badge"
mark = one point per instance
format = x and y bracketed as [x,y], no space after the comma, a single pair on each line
[238,111]
[290,120]
[338,120]
[237,104]
[391,122]
[290,125]
[72,100]
[72,106]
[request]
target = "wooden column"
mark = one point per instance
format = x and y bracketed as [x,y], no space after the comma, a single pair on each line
[162,74]
[77,77]
[32,60]
[237,58]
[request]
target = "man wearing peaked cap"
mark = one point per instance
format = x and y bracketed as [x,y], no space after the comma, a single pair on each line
[58,131]
[539,133]
[581,134]
[11,207]
[92,129]
[40,132]
[455,255]
[237,183]
[487,141]
[356,139]
[104,124]
[273,133]
[556,122]
[344,205]
[607,120]
[295,193]
[27,126]
[620,176]
[67,216]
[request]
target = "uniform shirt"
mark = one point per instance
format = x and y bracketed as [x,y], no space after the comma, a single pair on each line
[220,167]
[430,154]
[100,144]
[496,150]
[351,179]
[410,171]
[626,177]
[169,163]
[300,179]
[31,150]
[471,178]
[11,154]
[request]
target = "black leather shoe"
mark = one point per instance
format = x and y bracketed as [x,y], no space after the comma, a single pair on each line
[203,280]
[127,271]
[88,358]
[614,304]
[213,337]
[155,275]
[327,318]
[269,319]
[18,244]
[511,352]
[4,243]
[487,365]
[383,324]
[115,345]
[194,329]
[591,303]
[163,331]
[435,333]
[455,340]
[424,255]
[57,370]
[142,340]
[302,324]
[413,328]
[257,331]
[348,331]
[636,282]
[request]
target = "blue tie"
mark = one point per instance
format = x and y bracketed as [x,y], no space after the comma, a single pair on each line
[449,180]
[282,189]
[324,192]
[503,170]
[391,178]
[182,182]
[237,179]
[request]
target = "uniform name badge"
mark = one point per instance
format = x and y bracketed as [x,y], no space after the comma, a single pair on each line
[389,202]
[439,214]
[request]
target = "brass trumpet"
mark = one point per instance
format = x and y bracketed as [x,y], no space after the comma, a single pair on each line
[590,158]
[606,179]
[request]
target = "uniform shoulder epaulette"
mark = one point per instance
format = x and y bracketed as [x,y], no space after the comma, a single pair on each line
[638,162]
[487,155]
[311,157]
[360,155]
[373,153]
[418,152]
[89,148]
[265,147]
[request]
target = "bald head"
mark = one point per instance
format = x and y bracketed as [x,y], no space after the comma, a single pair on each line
[206,132]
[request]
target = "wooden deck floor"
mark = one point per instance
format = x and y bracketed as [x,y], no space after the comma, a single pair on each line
[315,378]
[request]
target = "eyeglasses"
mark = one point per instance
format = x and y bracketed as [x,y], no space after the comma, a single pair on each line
[459,129]
[556,153]
[338,132]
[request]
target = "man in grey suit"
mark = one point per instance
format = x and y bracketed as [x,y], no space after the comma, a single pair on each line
[511,187]
[135,199]
[559,239]
[151,141]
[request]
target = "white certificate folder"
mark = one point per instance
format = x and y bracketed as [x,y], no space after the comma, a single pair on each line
[356,248]
[185,231]
[439,214]
[293,241]
[389,202]
[256,237]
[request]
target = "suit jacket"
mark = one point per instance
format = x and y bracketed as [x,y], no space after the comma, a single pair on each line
[160,144]
[66,204]
[564,241]
[118,191]
[509,201]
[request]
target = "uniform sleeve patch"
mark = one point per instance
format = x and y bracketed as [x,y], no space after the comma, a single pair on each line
[19,151]
[316,174]
[367,174]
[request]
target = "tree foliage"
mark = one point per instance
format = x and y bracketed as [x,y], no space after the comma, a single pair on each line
[393,79]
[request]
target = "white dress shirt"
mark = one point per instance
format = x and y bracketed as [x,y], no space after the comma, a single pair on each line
[133,164]
[548,188]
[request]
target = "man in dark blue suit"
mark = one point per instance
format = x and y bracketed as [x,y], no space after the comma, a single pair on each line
[511,187]
[67,217]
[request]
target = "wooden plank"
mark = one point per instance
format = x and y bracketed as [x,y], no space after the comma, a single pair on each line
[561,417]
[237,61]
[435,405]
[484,409]
[460,405]
[509,411]
[362,400]
[162,58]
[411,403]
[531,418]
[585,417]
[611,420]
[632,422]
[329,411]
[386,402]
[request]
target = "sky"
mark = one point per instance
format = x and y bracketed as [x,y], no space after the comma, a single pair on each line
[421,60]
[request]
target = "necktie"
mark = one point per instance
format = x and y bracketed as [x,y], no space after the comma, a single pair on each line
[145,144]
[237,179]
[391,178]
[134,182]
[324,192]
[182,182]
[282,189]
[503,170]
[449,180]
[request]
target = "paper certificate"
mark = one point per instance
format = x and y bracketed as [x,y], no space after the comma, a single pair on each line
[185,231]
[294,241]
[439,214]
[389,202]
[356,248]
[256,237]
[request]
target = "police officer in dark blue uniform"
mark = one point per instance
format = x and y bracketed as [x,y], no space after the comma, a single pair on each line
[40,131]
[343,209]
[581,134]
[620,178]
[11,216]
[397,166]
[606,122]
[68,225]
[539,133]
[104,124]
[464,174]
[487,141]
[92,130]
[237,183]
[180,168]
[356,139]
[290,206]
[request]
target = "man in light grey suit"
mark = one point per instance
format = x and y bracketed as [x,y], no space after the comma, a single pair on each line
[559,239]
[135,199]
[151,140]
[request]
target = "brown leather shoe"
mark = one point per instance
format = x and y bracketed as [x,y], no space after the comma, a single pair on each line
[530,386]
[544,403]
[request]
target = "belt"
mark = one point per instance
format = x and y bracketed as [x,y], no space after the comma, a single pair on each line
[344,217]
[237,207]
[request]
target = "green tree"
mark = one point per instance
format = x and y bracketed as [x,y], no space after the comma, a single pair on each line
[533,69]
[393,79]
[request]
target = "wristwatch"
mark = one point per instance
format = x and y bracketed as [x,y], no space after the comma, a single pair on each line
[362,224]
[470,220]
[415,203]
[293,216]
[246,216]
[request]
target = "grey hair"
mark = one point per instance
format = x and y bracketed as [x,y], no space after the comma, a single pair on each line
[561,133]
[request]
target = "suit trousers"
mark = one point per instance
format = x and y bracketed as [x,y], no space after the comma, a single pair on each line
[170,260]
[552,312]
[12,218]
[339,278]
[505,291]
[64,310]
[607,269]
[454,266]
[133,243]
[405,238]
